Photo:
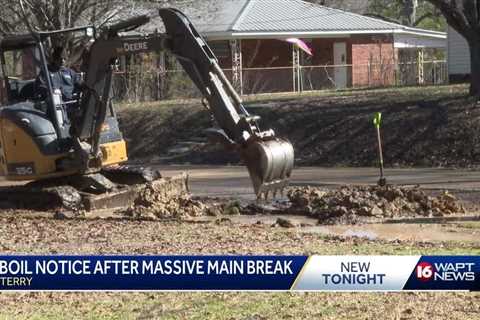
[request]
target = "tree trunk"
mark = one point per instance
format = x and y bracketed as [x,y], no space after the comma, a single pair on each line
[409,16]
[475,67]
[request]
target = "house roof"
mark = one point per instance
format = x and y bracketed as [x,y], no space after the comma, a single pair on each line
[357,6]
[229,19]
[208,16]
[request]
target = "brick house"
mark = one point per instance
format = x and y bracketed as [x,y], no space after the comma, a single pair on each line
[350,50]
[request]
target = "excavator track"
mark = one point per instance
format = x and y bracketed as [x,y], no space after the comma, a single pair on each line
[93,191]
[126,174]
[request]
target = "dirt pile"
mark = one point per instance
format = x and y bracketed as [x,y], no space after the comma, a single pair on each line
[161,208]
[351,204]
[158,200]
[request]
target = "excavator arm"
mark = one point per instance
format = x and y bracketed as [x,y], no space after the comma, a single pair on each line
[269,159]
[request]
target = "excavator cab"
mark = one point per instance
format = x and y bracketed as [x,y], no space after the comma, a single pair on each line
[29,139]
[36,125]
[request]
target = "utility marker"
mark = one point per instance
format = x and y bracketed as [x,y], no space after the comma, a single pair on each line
[377,121]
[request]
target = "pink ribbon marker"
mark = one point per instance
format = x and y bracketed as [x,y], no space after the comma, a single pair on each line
[302,45]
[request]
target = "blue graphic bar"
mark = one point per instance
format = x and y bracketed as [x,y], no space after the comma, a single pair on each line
[149,272]
[239,273]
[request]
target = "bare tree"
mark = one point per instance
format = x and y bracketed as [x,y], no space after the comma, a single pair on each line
[410,12]
[464,17]
[26,15]
[32,15]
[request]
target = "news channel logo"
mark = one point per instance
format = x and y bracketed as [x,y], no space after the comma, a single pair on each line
[445,271]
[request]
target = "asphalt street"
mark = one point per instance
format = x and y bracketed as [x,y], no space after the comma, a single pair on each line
[233,181]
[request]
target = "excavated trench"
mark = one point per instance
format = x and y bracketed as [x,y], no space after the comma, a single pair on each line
[372,212]
[342,205]
[392,213]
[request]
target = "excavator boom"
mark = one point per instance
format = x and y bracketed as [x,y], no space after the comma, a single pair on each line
[268,158]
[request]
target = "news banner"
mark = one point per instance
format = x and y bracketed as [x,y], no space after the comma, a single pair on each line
[239,273]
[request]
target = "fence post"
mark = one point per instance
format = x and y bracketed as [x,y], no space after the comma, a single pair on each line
[299,71]
[369,73]
[296,69]
[396,73]
[300,77]
[420,66]
[237,67]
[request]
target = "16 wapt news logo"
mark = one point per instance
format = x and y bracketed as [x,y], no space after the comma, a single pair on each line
[448,271]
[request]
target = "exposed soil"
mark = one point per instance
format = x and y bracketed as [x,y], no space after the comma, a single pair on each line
[343,205]
[432,126]
[354,204]
[153,205]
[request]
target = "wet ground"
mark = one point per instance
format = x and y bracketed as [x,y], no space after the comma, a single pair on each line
[456,229]
[233,183]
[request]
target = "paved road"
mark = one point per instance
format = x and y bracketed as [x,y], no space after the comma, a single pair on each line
[234,181]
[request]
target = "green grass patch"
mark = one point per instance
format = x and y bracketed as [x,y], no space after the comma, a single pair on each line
[474,225]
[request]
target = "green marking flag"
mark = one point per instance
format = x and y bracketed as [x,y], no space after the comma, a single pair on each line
[377,119]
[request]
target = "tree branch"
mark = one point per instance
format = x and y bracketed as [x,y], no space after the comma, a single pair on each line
[25,17]
[425,16]
[379,16]
[455,18]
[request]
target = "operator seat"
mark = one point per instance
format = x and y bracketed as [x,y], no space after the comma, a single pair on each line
[27,91]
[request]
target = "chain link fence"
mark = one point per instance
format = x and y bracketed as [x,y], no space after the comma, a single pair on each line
[150,85]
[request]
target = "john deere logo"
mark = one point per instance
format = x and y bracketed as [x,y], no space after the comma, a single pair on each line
[137,46]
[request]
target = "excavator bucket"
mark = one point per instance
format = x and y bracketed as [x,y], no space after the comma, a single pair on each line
[270,164]
[269,159]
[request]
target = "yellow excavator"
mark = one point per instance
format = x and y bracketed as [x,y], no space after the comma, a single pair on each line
[77,146]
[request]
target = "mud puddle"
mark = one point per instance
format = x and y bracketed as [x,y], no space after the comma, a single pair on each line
[401,231]
[461,229]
